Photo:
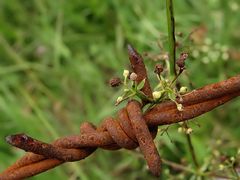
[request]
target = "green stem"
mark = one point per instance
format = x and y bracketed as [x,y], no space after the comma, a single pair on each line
[171,37]
[191,148]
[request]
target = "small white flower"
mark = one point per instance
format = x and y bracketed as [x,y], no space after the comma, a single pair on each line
[125,73]
[232,159]
[225,56]
[180,123]
[224,48]
[189,131]
[119,99]
[234,6]
[221,167]
[183,90]
[180,107]
[156,94]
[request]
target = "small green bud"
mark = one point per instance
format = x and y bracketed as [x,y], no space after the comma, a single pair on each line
[180,129]
[156,94]
[183,90]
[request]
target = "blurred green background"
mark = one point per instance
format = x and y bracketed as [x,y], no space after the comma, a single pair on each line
[56,58]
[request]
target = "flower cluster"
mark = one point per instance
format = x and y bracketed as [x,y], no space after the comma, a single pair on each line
[130,87]
[164,90]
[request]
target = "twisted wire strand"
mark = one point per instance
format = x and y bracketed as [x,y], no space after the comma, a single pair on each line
[80,146]
[130,129]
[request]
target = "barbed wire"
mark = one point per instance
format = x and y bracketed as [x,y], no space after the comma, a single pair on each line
[130,129]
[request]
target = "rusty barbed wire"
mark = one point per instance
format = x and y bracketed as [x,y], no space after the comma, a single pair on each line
[130,129]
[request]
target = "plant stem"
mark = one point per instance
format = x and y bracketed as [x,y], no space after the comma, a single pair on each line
[171,37]
[191,148]
[178,166]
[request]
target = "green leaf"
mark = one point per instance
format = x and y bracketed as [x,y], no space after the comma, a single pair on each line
[171,95]
[141,84]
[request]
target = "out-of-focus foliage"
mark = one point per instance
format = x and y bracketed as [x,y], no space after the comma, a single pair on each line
[57,56]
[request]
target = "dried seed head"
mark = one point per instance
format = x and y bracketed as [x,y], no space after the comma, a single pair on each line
[181,61]
[180,34]
[158,69]
[133,76]
[184,55]
[177,44]
[114,82]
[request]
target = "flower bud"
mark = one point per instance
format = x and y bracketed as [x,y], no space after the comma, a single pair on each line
[133,76]
[183,90]
[181,61]
[125,73]
[158,69]
[180,129]
[114,82]
[119,99]
[179,107]
[156,94]
[189,131]
[232,159]
[221,167]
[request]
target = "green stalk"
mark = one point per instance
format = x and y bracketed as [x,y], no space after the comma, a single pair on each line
[191,148]
[171,37]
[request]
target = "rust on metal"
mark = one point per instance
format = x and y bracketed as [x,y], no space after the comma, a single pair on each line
[138,67]
[144,137]
[130,129]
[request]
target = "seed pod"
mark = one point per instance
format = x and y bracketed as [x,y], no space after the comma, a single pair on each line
[114,82]
[158,69]
[133,76]
[181,61]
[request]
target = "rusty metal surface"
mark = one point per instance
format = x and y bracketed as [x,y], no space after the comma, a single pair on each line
[130,129]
